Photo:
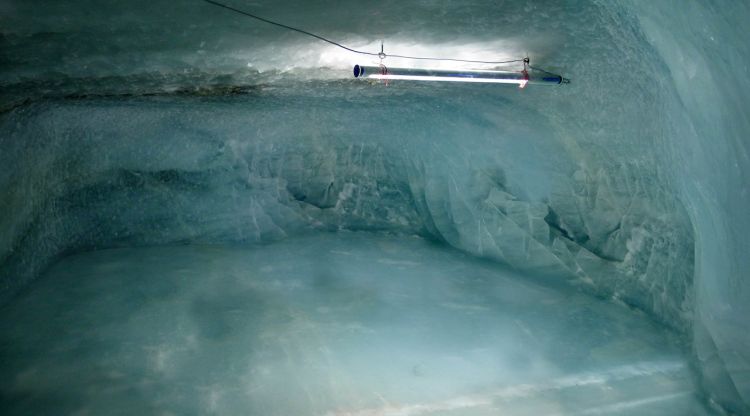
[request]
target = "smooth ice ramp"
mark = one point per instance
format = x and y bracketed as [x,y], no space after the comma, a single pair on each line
[331,324]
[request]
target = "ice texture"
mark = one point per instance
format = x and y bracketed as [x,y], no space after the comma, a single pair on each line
[709,150]
[121,127]
[331,324]
[260,167]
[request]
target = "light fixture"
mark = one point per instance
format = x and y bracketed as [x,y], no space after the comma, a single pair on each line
[521,78]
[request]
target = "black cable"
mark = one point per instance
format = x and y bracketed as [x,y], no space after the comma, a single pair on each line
[287,27]
[244,13]
[456,60]
[546,72]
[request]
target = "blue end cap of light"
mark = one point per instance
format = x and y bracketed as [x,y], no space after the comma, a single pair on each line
[357,71]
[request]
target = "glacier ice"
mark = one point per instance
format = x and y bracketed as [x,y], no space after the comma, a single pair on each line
[121,129]
[328,324]
[259,168]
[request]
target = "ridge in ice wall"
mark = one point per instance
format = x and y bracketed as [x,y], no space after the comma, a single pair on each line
[156,172]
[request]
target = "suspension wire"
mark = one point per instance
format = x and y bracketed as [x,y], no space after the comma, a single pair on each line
[381,54]
[456,60]
[304,32]
[541,70]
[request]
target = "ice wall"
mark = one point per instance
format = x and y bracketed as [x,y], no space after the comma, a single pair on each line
[708,129]
[255,168]
[122,128]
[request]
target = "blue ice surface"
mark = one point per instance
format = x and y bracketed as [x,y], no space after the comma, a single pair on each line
[329,324]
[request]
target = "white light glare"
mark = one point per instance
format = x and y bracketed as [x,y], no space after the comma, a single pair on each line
[520,82]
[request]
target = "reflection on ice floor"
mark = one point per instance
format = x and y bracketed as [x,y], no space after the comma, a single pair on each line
[334,324]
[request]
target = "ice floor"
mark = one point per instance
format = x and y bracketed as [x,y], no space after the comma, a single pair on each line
[333,324]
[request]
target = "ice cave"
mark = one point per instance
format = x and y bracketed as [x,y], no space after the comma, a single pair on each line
[204,213]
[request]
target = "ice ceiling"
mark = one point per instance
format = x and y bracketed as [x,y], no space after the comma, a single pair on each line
[147,122]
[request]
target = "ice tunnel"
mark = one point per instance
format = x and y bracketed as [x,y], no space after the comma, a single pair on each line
[205,214]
